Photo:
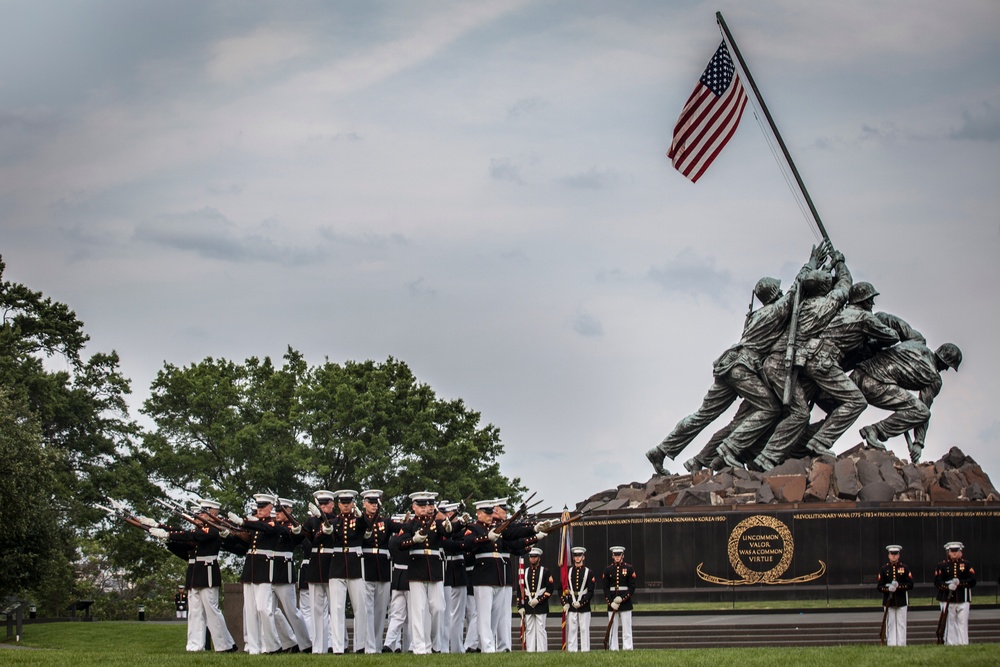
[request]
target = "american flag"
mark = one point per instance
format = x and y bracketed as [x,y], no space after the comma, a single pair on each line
[565,558]
[709,118]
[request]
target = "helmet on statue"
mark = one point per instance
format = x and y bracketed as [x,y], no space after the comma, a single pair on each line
[767,290]
[862,292]
[950,355]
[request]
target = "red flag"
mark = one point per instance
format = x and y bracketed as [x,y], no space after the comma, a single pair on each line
[709,117]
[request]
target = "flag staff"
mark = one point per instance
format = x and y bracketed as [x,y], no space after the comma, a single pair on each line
[770,122]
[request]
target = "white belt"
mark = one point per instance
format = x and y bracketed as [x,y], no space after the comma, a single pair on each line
[422,551]
[400,566]
[203,559]
[261,552]
[493,555]
[337,550]
[282,554]
[376,551]
[618,588]
[305,561]
[455,557]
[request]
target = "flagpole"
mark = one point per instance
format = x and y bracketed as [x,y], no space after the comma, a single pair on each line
[770,122]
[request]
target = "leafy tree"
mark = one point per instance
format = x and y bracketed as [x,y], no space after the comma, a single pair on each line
[27,521]
[229,430]
[79,416]
[373,425]
[225,430]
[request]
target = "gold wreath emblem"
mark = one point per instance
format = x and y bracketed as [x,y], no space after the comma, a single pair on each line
[750,576]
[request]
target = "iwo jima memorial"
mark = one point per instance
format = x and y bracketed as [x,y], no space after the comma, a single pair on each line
[766,510]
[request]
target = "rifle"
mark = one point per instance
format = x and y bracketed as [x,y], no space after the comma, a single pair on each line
[521,511]
[178,510]
[461,505]
[278,507]
[793,327]
[885,619]
[570,521]
[204,519]
[746,320]
[607,633]
[943,619]
[119,512]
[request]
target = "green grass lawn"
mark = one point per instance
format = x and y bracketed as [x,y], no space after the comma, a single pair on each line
[110,644]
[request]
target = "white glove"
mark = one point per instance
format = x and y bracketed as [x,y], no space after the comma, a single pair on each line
[314,511]
[544,526]
[533,602]
[146,521]
[368,534]
[235,518]
[617,600]
[466,519]
[540,535]
[447,525]
[577,605]
[952,585]
[893,586]
[296,529]
[161,534]
[615,605]
[357,512]
[521,612]
[494,536]
[419,538]
[565,608]
[224,533]
[328,529]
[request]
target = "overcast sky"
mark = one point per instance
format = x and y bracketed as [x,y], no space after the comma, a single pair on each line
[480,189]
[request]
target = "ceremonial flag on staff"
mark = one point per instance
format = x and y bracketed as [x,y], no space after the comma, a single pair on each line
[523,601]
[565,558]
[709,117]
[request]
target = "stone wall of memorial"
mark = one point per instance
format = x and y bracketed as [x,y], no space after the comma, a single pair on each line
[808,529]
[775,551]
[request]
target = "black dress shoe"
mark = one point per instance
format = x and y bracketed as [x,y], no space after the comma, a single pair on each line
[398,651]
[360,650]
[307,649]
[386,649]
[233,649]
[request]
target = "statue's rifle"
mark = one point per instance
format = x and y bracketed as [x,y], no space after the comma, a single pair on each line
[793,328]
[746,320]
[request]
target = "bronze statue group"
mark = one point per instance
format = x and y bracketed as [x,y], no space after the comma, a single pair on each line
[435,580]
[818,345]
